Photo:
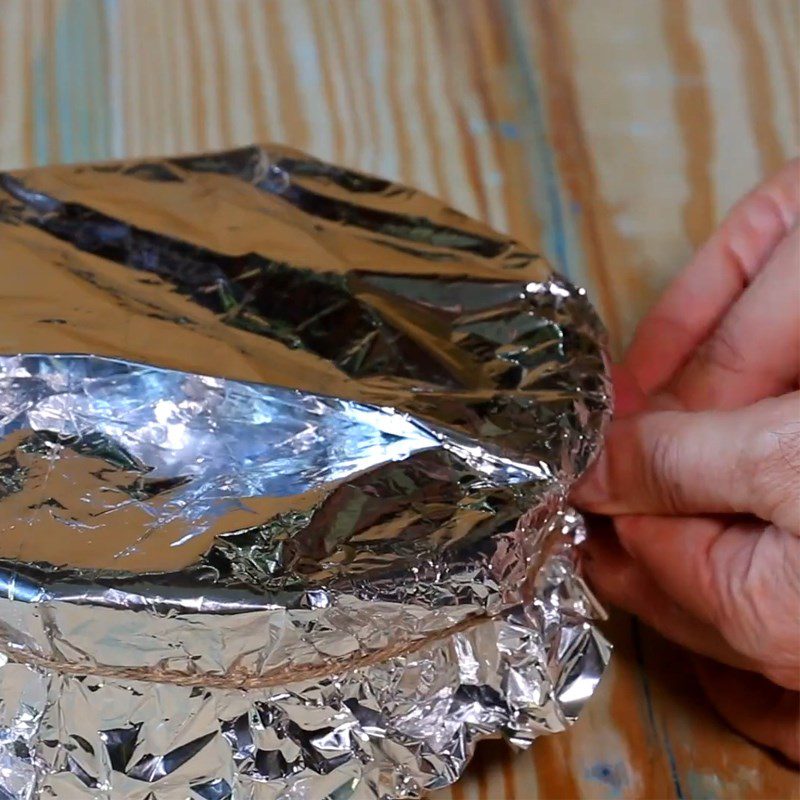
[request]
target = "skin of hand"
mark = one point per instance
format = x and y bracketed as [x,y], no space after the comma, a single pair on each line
[700,473]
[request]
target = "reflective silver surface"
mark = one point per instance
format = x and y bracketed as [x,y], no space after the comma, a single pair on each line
[284,457]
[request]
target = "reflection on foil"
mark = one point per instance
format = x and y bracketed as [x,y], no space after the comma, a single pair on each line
[332,567]
[93,445]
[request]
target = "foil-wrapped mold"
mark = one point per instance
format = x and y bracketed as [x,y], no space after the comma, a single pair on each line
[284,458]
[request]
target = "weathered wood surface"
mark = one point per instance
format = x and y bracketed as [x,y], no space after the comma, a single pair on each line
[613,134]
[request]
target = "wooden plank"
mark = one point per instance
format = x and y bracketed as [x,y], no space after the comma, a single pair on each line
[611,134]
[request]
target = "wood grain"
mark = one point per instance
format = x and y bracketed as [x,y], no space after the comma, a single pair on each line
[612,134]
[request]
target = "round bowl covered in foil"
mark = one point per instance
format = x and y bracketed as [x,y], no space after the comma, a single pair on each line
[284,458]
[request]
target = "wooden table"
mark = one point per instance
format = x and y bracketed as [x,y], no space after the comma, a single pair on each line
[611,133]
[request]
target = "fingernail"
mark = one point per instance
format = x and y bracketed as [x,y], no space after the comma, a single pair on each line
[592,492]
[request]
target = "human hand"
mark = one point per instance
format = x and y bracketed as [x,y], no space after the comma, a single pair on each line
[701,468]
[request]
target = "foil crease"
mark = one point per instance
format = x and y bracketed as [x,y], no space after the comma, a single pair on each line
[284,458]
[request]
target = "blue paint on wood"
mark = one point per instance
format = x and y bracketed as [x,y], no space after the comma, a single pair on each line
[69,79]
[702,785]
[561,244]
[41,110]
[97,68]
[636,637]
[509,130]
[114,118]
[66,70]
[612,776]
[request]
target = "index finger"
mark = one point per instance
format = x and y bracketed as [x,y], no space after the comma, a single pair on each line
[699,462]
[689,311]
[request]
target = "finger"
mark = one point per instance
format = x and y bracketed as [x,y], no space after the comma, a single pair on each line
[693,305]
[752,705]
[628,397]
[619,580]
[704,462]
[740,580]
[755,350]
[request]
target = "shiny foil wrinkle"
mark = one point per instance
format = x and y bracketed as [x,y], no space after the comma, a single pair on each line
[285,452]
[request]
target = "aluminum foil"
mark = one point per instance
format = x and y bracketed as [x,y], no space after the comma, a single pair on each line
[284,458]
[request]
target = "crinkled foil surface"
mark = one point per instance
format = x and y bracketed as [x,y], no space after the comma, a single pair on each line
[284,458]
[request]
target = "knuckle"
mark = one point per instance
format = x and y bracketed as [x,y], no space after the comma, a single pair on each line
[772,472]
[753,580]
[766,210]
[769,207]
[662,471]
[723,352]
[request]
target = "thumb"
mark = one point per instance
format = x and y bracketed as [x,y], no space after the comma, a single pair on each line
[677,462]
